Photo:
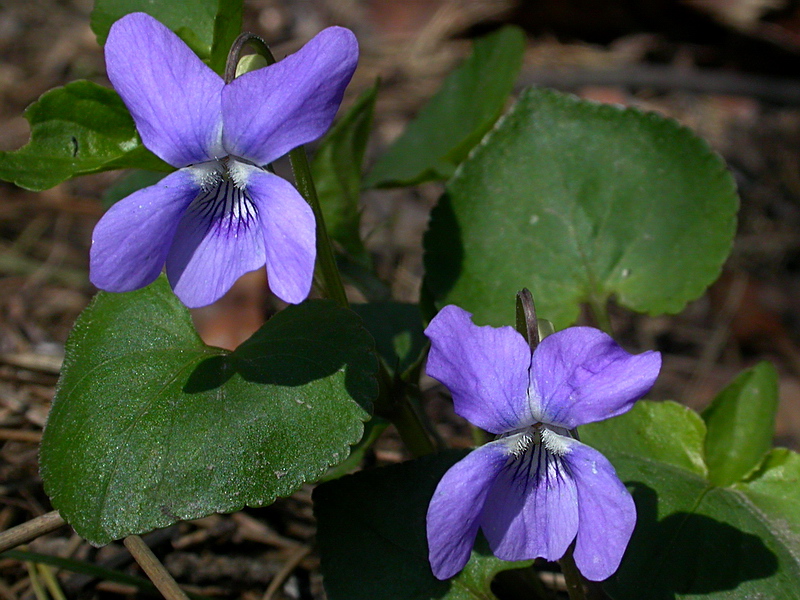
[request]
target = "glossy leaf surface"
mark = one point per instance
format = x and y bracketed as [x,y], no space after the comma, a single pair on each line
[150,426]
[77,129]
[694,539]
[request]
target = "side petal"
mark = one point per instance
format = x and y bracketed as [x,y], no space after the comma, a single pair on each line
[581,375]
[174,98]
[532,510]
[606,513]
[289,231]
[217,241]
[131,241]
[485,369]
[455,508]
[277,108]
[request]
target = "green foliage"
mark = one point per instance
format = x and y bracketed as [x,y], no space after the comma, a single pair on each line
[694,538]
[740,423]
[336,169]
[150,426]
[371,534]
[775,487]
[580,202]
[130,182]
[398,332]
[208,27]
[192,20]
[456,118]
[77,129]
[227,27]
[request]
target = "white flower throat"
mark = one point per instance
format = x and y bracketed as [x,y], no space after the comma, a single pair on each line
[223,199]
[556,440]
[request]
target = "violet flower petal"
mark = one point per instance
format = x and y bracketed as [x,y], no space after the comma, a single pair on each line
[218,240]
[289,233]
[455,509]
[130,243]
[270,111]
[580,375]
[485,369]
[607,513]
[532,509]
[174,98]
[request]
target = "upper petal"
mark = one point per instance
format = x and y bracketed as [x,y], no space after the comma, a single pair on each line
[454,510]
[174,98]
[606,513]
[485,369]
[218,240]
[275,109]
[131,241]
[581,375]
[532,510]
[289,230]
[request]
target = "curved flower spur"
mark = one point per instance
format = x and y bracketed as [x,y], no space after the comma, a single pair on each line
[221,214]
[535,488]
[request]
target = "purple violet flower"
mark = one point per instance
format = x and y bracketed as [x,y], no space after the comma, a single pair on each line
[535,488]
[221,214]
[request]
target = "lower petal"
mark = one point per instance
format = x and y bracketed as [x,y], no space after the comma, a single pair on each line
[455,509]
[532,510]
[217,241]
[130,243]
[606,513]
[289,230]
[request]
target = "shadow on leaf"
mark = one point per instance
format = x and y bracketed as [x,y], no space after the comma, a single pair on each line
[301,344]
[444,250]
[686,554]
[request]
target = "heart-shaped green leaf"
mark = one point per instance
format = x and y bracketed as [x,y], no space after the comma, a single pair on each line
[693,538]
[580,202]
[78,129]
[150,426]
[371,533]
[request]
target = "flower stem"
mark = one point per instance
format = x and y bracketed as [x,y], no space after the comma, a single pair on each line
[599,310]
[393,402]
[572,576]
[331,278]
[527,323]
[326,261]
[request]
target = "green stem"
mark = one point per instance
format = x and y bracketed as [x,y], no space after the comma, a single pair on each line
[393,402]
[572,576]
[326,261]
[599,310]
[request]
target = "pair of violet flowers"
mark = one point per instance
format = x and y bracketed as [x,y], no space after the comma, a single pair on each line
[535,489]
[221,214]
